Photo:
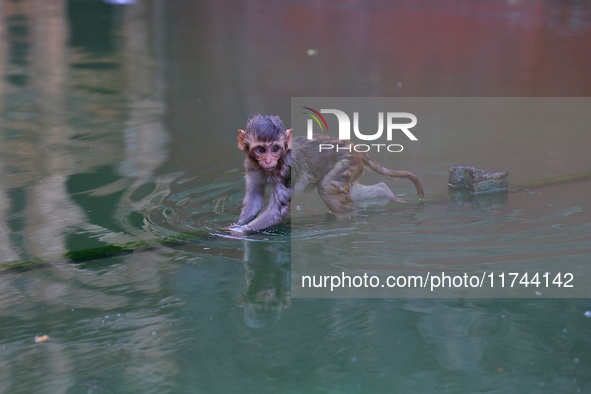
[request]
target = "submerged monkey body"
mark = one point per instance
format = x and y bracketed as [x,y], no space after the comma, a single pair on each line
[291,165]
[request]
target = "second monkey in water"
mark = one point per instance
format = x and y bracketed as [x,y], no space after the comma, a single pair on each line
[271,156]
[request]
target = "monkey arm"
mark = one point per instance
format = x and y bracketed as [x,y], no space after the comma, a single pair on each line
[255,196]
[275,212]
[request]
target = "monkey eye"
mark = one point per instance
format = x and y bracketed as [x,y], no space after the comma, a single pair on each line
[260,149]
[276,148]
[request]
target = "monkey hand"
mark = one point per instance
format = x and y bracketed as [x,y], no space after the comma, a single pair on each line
[239,229]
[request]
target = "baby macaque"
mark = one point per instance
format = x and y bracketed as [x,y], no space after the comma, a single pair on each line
[272,154]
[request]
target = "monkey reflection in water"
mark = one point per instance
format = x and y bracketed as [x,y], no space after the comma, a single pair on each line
[272,154]
[267,282]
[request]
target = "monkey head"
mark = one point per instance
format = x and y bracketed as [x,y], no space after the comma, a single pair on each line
[265,141]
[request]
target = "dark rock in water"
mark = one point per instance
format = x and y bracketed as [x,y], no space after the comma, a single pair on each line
[478,187]
[477,181]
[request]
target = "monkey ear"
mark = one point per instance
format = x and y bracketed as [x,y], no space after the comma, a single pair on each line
[241,139]
[288,139]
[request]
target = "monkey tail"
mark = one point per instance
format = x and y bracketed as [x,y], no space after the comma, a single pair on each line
[377,167]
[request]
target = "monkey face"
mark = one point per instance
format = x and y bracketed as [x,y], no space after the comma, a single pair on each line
[268,155]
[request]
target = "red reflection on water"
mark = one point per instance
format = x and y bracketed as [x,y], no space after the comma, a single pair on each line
[392,48]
